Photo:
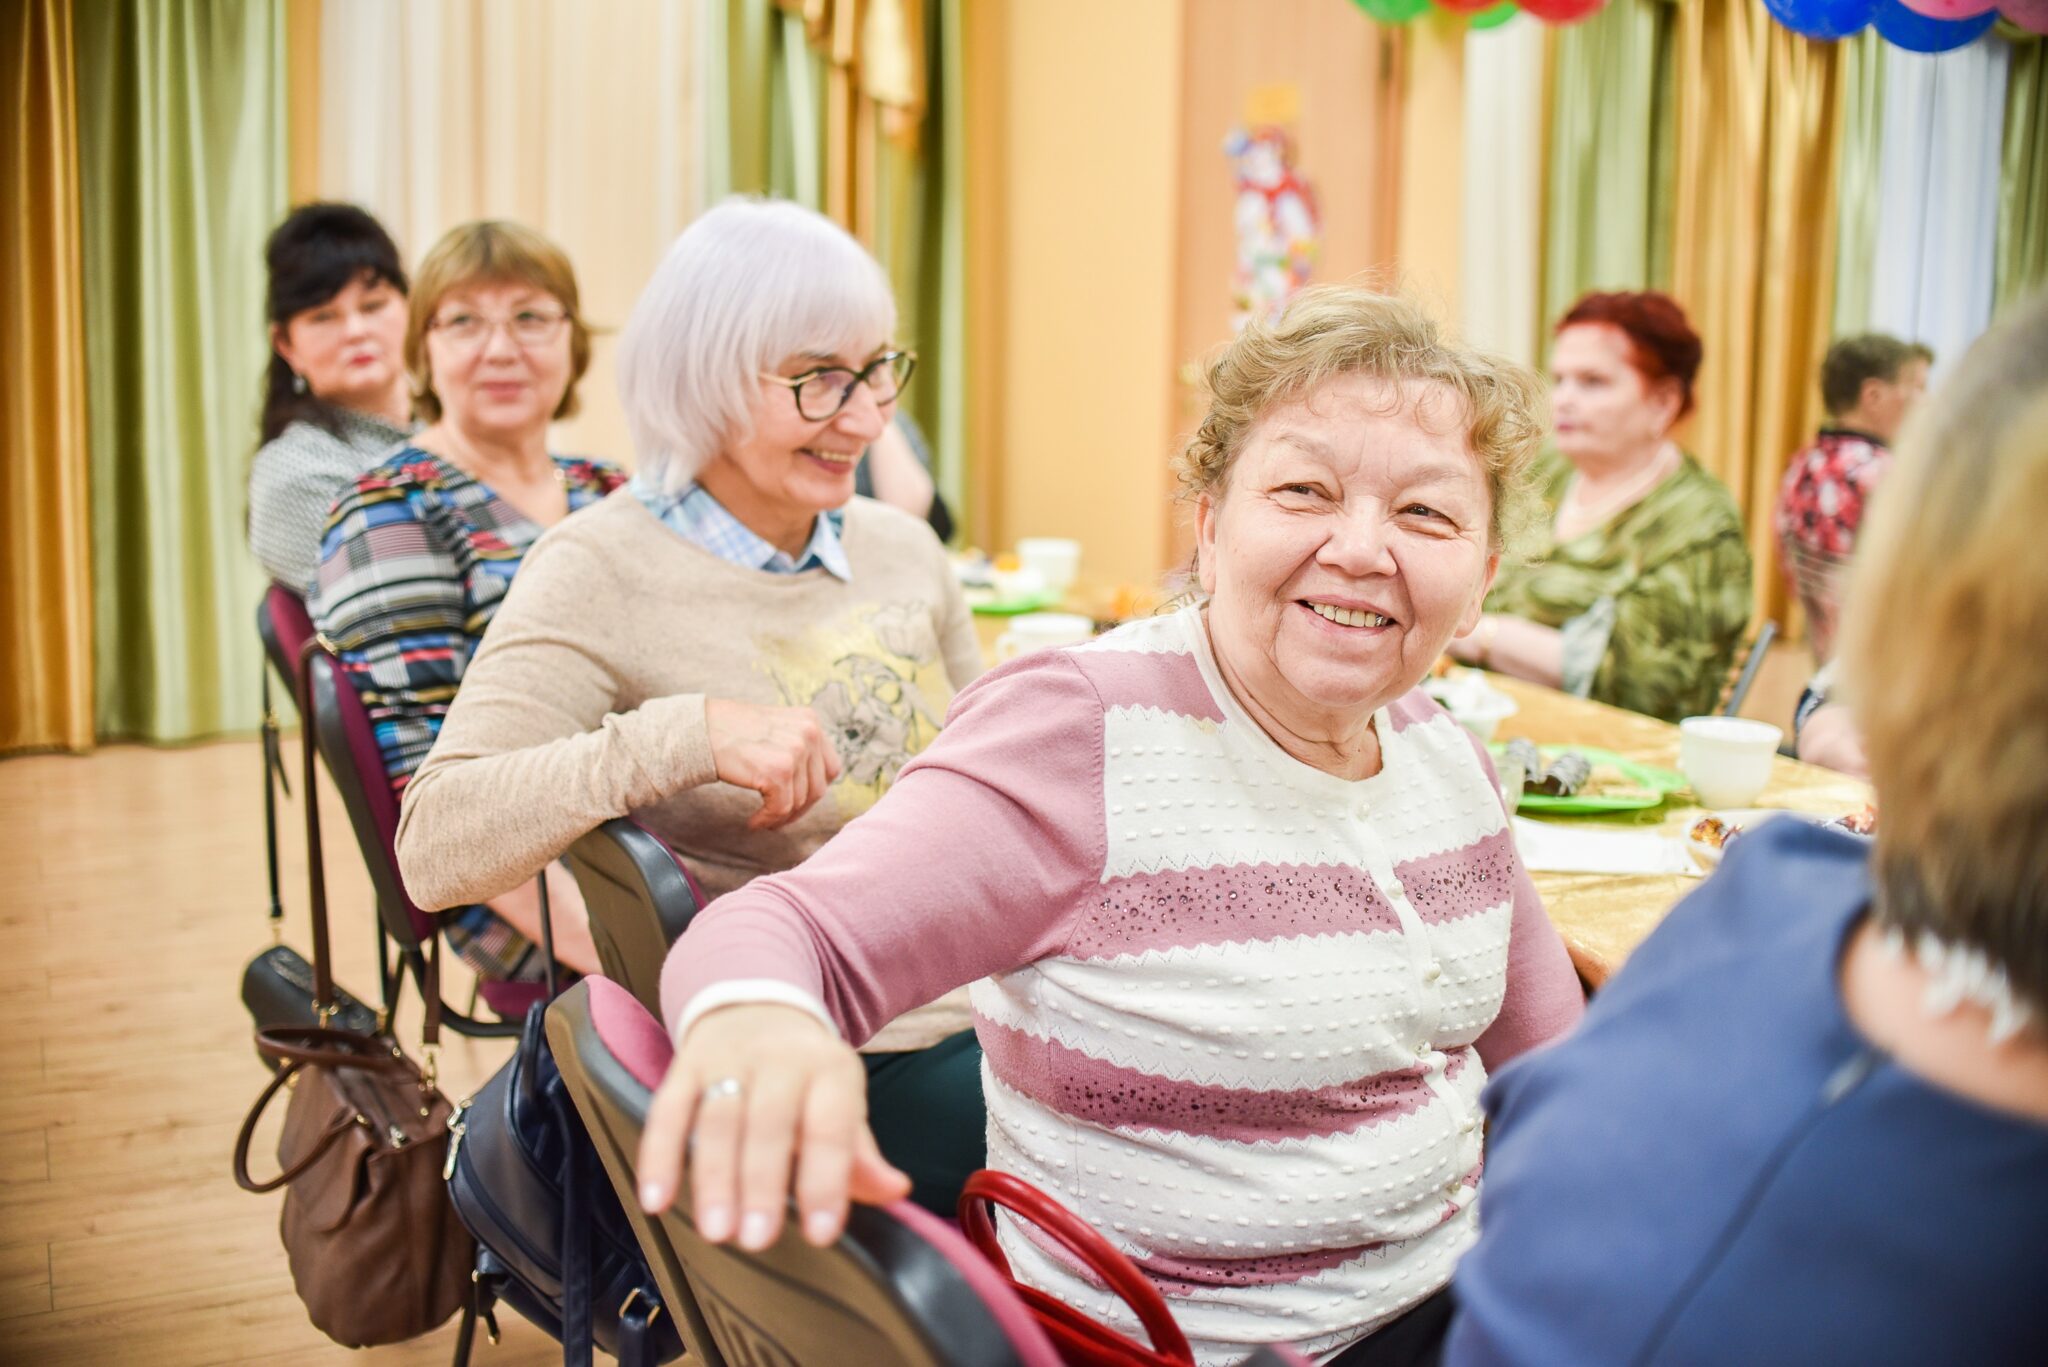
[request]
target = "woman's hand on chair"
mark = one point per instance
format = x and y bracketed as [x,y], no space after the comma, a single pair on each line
[759,1093]
[779,752]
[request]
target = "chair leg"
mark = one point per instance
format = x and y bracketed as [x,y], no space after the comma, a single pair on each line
[465,1337]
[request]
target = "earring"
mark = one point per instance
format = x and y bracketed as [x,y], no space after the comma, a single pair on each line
[298,383]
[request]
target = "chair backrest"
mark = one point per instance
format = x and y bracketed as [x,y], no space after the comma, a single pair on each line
[348,745]
[1747,662]
[284,626]
[640,898]
[900,1286]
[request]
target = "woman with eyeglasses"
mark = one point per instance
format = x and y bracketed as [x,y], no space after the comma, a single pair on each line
[739,652]
[420,550]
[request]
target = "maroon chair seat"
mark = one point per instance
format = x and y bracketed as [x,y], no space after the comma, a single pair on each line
[900,1286]
[347,744]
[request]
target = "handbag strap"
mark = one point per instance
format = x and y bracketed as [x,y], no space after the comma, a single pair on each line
[273,780]
[316,874]
[312,1045]
[1095,1253]
[341,1126]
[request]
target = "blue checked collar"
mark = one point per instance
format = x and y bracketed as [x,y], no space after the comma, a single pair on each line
[702,520]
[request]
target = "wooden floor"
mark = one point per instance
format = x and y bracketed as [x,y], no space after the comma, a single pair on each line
[131,896]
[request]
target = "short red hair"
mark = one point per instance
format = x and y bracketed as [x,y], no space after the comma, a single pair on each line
[1661,343]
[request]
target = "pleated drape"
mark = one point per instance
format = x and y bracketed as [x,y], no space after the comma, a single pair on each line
[46,685]
[1753,249]
[181,135]
[1938,191]
[579,120]
[764,95]
[2022,265]
[1857,207]
[1501,258]
[1607,200]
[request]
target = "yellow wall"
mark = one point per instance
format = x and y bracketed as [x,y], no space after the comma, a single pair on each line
[1432,194]
[1089,191]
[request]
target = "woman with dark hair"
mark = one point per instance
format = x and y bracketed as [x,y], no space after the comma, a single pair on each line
[334,396]
[1638,590]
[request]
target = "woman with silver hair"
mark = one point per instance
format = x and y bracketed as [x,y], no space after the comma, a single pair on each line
[737,651]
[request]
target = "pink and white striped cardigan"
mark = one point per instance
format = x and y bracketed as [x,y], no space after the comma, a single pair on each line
[1236,1011]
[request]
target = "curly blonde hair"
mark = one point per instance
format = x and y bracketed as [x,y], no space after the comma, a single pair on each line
[1332,330]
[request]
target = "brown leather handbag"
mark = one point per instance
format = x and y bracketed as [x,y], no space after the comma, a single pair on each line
[375,1248]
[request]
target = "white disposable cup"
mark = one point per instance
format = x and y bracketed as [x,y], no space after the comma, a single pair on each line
[1037,630]
[1727,759]
[1056,558]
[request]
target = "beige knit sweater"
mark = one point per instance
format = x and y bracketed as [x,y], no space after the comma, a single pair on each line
[586,702]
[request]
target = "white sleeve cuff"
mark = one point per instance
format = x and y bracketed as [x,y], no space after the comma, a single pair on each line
[749,991]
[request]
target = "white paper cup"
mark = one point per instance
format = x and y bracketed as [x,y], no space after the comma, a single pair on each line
[1056,558]
[1727,759]
[1038,630]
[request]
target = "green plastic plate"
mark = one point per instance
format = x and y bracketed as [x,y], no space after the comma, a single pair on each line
[1658,783]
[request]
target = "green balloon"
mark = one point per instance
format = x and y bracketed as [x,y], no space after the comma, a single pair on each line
[1495,17]
[1392,11]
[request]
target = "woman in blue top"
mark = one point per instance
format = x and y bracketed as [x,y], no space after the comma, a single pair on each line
[1809,1121]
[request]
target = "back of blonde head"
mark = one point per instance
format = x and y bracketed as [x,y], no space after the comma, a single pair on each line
[1943,650]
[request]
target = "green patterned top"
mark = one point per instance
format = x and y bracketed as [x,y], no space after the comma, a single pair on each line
[1652,604]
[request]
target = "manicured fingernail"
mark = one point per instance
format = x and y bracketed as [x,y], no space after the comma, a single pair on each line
[818,1227]
[715,1223]
[650,1197]
[755,1227]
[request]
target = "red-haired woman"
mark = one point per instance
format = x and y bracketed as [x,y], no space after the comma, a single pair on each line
[1636,591]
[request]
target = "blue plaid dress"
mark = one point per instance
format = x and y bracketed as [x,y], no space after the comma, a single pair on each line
[414,561]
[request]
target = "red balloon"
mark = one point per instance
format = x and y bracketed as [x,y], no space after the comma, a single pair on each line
[1950,9]
[1562,11]
[1474,6]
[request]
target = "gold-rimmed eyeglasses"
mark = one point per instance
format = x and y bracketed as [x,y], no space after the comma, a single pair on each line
[821,393]
[528,327]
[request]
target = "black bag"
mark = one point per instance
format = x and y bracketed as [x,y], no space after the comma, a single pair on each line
[277,986]
[552,1240]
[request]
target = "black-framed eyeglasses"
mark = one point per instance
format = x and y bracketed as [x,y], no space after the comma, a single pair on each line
[821,393]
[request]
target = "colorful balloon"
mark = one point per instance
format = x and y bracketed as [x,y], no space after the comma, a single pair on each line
[1475,6]
[2031,15]
[1495,17]
[1826,20]
[1950,9]
[1904,28]
[1393,11]
[1563,11]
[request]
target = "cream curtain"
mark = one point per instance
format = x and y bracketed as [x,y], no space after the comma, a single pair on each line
[46,688]
[1857,208]
[1754,245]
[1608,193]
[1937,237]
[1503,185]
[578,119]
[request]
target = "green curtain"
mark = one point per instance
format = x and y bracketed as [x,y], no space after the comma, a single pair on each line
[769,83]
[181,126]
[921,237]
[1608,192]
[2022,265]
[1856,204]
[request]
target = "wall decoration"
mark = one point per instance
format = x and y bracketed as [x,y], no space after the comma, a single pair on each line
[1279,233]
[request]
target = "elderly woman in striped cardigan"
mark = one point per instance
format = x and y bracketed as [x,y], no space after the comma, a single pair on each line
[1240,908]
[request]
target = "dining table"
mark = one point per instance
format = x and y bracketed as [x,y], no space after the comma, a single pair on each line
[1602,917]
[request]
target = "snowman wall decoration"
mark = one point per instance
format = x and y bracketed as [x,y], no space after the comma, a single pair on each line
[1278,229]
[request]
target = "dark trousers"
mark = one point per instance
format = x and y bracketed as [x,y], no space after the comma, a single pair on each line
[927,1114]
[1416,1339]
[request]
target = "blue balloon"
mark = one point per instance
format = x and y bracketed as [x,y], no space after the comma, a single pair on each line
[1824,19]
[1915,32]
